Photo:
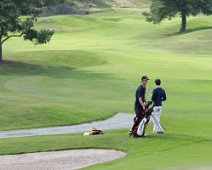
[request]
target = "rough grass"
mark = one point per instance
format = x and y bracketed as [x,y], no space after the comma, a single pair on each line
[90,71]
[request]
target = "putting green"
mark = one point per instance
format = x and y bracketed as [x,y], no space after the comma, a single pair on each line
[90,70]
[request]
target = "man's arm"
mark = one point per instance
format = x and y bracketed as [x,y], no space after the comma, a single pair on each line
[153,96]
[164,96]
[140,94]
[141,102]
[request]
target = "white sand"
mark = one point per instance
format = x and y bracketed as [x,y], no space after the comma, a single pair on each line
[59,160]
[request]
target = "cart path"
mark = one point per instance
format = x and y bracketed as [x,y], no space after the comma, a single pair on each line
[58,160]
[118,121]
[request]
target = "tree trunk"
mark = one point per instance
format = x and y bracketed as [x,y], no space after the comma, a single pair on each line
[1,55]
[183,24]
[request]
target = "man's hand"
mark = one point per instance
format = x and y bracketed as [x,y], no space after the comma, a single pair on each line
[142,103]
[144,108]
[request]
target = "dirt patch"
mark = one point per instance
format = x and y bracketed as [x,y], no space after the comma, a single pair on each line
[190,167]
[44,20]
[59,160]
[131,3]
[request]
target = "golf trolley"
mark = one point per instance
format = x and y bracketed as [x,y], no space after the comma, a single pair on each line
[141,122]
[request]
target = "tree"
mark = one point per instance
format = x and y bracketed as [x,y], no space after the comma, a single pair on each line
[167,9]
[13,24]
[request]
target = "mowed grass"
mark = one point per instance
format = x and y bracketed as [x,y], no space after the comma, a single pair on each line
[169,151]
[90,71]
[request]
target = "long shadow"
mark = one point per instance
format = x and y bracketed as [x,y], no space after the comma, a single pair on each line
[21,69]
[189,31]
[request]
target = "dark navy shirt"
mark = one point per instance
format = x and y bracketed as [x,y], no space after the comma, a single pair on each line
[158,95]
[140,92]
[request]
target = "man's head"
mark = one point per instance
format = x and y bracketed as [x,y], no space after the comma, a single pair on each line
[158,82]
[144,80]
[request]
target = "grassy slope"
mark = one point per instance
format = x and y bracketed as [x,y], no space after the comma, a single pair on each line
[101,58]
[108,3]
[91,62]
[127,3]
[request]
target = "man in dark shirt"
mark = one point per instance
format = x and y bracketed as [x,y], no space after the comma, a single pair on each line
[140,100]
[158,96]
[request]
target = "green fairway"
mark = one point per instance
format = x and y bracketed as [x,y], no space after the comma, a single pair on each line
[90,70]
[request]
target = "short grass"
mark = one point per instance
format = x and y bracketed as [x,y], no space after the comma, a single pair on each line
[90,71]
[170,151]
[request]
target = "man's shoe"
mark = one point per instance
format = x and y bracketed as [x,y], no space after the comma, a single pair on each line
[160,133]
[130,132]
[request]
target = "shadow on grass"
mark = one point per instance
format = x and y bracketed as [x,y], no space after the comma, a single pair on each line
[190,30]
[14,69]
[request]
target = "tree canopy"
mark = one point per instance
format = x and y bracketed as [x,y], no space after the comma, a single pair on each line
[13,25]
[167,9]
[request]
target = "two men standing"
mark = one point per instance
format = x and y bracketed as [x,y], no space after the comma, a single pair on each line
[158,96]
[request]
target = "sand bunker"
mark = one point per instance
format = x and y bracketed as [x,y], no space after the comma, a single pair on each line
[58,160]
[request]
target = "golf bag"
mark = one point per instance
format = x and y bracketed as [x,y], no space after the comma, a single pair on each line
[141,122]
[93,131]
